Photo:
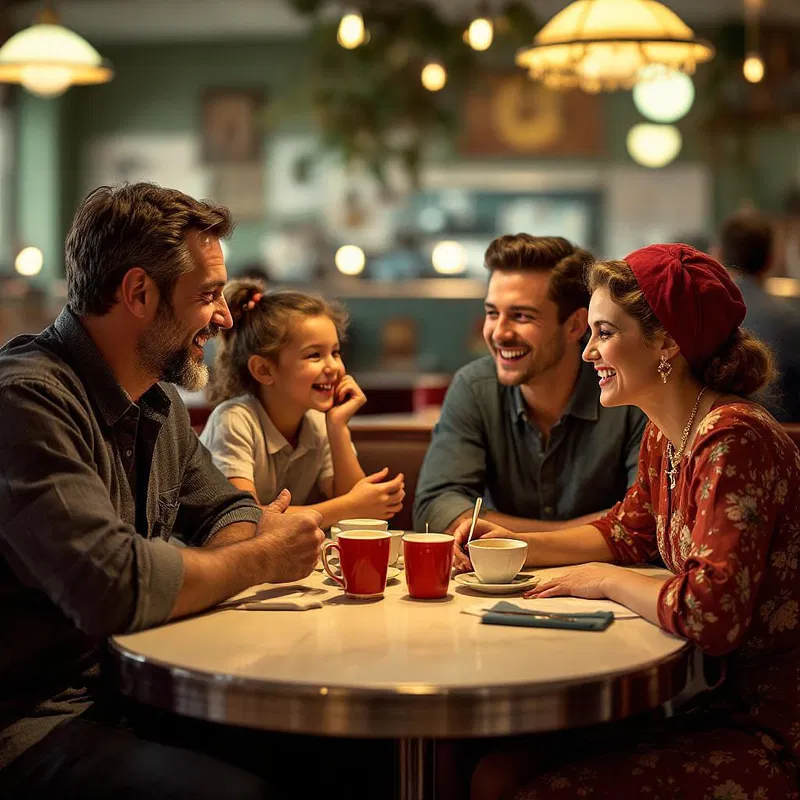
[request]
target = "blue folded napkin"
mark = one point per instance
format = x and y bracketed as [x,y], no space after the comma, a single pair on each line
[504,613]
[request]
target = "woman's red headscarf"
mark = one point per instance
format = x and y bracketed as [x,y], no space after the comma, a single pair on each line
[692,296]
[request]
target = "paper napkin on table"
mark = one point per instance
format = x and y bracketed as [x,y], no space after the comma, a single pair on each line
[277,598]
[557,605]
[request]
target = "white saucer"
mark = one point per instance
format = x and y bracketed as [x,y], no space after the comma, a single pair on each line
[391,572]
[522,582]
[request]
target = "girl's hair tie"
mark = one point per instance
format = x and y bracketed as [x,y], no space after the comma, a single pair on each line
[251,304]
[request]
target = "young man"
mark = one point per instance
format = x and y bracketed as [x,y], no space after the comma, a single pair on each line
[98,468]
[745,248]
[524,427]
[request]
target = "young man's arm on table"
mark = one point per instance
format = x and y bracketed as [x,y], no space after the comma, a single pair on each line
[523,524]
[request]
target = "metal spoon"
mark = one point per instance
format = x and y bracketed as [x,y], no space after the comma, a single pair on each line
[475,512]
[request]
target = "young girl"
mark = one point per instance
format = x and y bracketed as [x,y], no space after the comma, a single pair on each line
[284,404]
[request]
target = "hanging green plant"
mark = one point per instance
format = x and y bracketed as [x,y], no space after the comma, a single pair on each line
[369,102]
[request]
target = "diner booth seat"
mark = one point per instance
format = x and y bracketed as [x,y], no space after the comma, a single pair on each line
[399,447]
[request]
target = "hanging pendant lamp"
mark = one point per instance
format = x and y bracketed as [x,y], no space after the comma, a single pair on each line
[603,45]
[48,58]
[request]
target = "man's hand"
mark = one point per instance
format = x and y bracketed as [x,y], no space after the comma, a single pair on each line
[484,529]
[291,541]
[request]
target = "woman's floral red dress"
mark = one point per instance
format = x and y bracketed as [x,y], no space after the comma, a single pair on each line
[730,531]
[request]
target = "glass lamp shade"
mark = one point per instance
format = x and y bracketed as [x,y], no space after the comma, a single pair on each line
[599,45]
[47,59]
[663,95]
[654,146]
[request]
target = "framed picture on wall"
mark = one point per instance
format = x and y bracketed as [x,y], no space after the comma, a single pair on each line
[232,128]
[508,114]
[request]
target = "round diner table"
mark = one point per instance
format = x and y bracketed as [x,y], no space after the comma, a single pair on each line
[397,668]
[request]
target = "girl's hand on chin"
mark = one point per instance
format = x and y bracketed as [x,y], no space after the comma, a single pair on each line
[347,399]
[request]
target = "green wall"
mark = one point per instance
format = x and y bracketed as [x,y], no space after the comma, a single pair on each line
[158,88]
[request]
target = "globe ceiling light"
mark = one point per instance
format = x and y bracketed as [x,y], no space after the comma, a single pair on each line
[603,45]
[663,95]
[48,58]
[654,146]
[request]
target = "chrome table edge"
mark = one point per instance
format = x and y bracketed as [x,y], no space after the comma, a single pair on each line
[405,711]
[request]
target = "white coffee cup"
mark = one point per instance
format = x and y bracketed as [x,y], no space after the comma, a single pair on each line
[497,560]
[397,546]
[363,525]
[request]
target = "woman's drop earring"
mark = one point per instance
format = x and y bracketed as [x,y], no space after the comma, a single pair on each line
[664,368]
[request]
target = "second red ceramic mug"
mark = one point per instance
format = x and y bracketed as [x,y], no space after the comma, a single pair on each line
[428,561]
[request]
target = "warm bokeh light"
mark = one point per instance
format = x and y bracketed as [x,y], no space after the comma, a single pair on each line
[434,76]
[351,33]
[29,261]
[663,95]
[654,146]
[753,68]
[480,34]
[350,259]
[449,258]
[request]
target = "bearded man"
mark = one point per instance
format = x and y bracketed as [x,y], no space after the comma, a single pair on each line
[523,428]
[99,468]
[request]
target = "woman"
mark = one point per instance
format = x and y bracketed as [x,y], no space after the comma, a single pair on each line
[718,498]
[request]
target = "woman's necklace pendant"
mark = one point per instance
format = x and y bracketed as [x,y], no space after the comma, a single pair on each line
[671,474]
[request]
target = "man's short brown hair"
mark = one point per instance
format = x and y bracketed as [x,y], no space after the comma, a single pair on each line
[565,262]
[142,225]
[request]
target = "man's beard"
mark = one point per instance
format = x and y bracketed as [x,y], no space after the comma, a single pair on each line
[160,356]
[547,357]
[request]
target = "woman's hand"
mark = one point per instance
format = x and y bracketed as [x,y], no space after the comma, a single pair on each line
[591,581]
[483,530]
[347,399]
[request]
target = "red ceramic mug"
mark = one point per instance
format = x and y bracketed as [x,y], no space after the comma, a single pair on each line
[364,561]
[428,562]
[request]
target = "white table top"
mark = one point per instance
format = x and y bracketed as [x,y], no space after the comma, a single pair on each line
[398,667]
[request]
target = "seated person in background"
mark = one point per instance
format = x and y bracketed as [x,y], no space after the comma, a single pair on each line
[285,401]
[745,248]
[98,467]
[718,497]
[524,425]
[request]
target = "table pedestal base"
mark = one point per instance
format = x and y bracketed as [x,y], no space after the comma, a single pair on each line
[416,769]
